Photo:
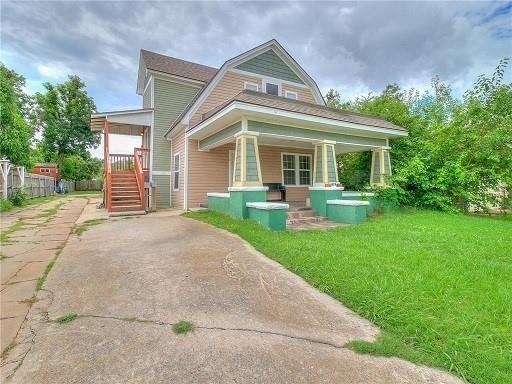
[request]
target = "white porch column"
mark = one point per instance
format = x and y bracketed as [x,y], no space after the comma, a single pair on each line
[325,172]
[381,167]
[247,170]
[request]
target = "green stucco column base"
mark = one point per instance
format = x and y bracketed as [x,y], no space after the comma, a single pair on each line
[347,211]
[363,196]
[269,215]
[240,196]
[219,202]
[319,196]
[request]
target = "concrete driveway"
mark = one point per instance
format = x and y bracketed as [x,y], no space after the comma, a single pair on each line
[129,280]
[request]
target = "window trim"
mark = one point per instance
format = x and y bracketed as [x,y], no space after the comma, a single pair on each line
[286,92]
[174,171]
[297,169]
[246,83]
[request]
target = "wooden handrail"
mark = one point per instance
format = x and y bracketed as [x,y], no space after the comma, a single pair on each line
[139,174]
[108,187]
[143,153]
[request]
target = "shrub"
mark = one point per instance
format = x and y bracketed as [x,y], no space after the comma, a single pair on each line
[18,196]
[5,205]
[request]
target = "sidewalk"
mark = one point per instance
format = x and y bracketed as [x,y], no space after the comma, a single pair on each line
[41,231]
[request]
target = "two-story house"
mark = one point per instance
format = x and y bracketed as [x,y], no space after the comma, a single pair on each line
[258,121]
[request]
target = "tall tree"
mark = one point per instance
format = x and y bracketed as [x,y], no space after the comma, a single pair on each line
[15,132]
[64,112]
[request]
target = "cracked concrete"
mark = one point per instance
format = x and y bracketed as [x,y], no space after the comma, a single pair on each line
[130,280]
[28,250]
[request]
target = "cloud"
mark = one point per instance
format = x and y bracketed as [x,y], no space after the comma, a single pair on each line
[355,47]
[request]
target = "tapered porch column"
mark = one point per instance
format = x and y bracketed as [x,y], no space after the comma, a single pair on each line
[325,172]
[247,184]
[381,167]
[247,170]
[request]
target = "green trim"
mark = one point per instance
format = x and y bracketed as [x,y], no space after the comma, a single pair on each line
[284,130]
[270,64]
[331,164]
[274,219]
[239,199]
[251,164]
[216,203]
[221,135]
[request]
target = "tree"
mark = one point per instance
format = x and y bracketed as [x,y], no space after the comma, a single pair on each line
[15,132]
[64,112]
[78,168]
[458,152]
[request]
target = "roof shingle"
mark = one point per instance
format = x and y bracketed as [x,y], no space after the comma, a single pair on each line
[177,67]
[285,104]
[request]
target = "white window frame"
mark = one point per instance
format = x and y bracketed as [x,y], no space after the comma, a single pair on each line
[271,80]
[176,171]
[295,95]
[297,169]
[250,83]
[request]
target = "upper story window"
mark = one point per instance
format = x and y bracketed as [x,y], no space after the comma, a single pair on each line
[291,95]
[251,86]
[272,88]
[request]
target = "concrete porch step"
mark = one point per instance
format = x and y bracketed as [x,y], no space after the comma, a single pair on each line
[299,214]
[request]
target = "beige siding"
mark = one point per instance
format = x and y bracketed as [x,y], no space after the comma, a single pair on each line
[270,162]
[208,171]
[227,88]
[303,94]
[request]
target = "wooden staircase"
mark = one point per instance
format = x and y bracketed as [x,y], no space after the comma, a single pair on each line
[126,197]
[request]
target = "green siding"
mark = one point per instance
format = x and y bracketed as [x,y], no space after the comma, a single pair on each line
[275,129]
[252,166]
[238,176]
[170,100]
[331,165]
[221,135]
[376,167]
[163,184]
[269,64]
[319,164]
[146,99]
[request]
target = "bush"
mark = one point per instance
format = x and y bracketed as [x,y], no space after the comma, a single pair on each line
[18,196]
[5,205]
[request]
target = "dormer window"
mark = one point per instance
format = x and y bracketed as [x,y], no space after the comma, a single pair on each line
[290,95]
[272,89]
[251,86]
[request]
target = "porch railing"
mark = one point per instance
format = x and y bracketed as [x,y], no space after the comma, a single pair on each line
[121,162]
[143,155]
[139,174]
[108,187]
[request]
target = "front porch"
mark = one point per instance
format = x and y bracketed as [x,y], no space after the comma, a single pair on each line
[289,156]
[127,186]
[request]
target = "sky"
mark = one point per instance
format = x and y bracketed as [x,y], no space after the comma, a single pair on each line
[353,47]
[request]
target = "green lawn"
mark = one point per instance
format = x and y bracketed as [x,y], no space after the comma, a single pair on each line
[438,285]
[7,206]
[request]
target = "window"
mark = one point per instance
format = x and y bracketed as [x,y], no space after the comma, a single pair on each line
[272,89]
[176,173]
[296,169]
[290,95]
[251,86]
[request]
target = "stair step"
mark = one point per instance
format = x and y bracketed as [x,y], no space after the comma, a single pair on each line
[126,202]
[304,220]
[127,208]
[300,214]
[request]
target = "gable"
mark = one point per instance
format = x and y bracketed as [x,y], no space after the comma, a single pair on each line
[270,64]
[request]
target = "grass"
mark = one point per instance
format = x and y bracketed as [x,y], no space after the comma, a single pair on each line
[87,193]
[66,318]
[438,285]
[50,211]
[5,205]
[182,327]
[4,235]
[81,228]
[6,350]
[41,279]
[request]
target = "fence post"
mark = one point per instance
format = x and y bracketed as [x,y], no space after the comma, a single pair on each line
[5,168]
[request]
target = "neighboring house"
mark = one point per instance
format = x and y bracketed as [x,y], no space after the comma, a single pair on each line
[258,119]
[47,169]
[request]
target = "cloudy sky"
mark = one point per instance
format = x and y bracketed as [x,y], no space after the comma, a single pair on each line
[353,47]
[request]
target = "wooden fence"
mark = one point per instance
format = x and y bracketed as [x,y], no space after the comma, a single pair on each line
[34,185]
[82,185]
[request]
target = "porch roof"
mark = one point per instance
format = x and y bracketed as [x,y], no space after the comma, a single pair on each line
[128,122]
[297,108]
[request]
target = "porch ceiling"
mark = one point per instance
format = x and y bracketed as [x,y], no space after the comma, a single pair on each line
[129,122]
